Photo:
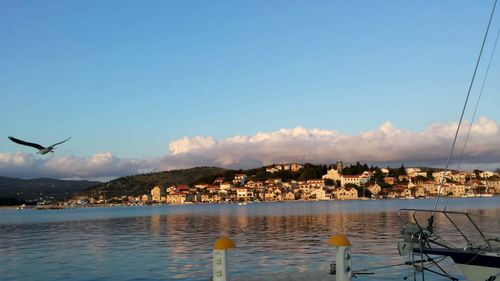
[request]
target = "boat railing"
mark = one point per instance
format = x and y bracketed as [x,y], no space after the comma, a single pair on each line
[458,224]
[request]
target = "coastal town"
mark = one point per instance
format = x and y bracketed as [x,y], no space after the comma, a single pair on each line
[410,183]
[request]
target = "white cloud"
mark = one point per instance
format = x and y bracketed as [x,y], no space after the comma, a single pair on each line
[383,145]
[386,144]
[187,144]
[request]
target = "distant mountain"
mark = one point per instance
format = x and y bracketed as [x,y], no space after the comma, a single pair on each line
[143,183]
[47,189]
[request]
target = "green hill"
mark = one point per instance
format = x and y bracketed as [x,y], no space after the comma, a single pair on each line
[143,183]
[41,188]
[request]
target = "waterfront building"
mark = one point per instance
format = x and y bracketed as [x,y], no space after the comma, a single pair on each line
[177,198]
[244,194]
[400,191]
[457,190]
[374,188]
[429,187]
[145,198]
[419,192]
[288,196]
[345,193]
[206,198]
[474,184]
[318,194]
[269,196]
[158,194]
[493,186]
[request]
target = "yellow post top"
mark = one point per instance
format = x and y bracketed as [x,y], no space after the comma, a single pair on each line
[339,240]
[224,243]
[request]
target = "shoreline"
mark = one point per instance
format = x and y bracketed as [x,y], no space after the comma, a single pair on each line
[245,203]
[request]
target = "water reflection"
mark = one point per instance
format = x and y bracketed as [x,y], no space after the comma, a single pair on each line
[175,243]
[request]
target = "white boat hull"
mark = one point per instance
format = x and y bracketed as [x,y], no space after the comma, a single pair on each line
[475,272]
[475,265]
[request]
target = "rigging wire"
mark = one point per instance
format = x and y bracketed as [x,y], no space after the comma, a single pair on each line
[478,99]
[477,104]
[431,219]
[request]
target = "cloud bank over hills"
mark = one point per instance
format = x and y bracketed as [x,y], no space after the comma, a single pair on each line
[383,146]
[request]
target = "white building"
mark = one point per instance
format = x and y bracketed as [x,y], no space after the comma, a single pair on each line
[244,194]
[352,179]
[486,174]
[158,194]
[332,174]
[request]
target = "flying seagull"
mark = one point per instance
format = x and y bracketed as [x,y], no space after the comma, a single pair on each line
[41,149]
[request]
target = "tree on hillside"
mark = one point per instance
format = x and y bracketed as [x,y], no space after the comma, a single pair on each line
[350,185]
[355,169]
[287,175]
[324,169]
[363,191]
[261,175]
[391,173]
[401,171]
[377,173]
[421,178]
[311,171]
[329,182]
[385,185]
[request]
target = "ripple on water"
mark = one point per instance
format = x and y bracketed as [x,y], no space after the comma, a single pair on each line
[175,242]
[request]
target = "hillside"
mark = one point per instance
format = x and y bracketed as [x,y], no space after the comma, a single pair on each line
[48,189]
[143,183]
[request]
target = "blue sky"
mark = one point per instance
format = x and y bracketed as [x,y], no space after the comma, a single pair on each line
[131,77]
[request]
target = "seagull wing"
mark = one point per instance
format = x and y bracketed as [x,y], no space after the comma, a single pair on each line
[60,142]
[18,141]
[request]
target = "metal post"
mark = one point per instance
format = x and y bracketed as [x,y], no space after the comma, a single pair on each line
[220,272]
[343,258]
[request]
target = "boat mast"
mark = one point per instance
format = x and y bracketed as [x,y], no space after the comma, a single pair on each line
[431,219]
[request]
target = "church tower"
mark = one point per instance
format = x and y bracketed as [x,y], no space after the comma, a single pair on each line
[340,167]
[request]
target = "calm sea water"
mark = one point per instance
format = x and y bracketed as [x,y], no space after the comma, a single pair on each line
[275,241]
